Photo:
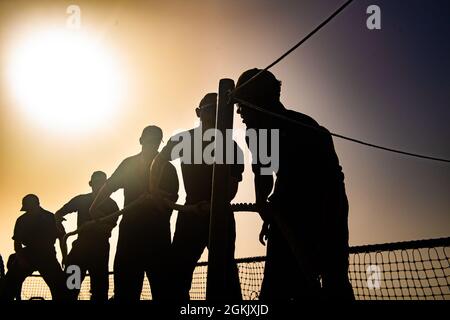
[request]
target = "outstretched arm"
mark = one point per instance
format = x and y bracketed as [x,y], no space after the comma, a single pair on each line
[63,247]
[60,232]
[263,182]
[104,193]
[263,188]
[69,207]
[114,183]
[156,171]
[161,162]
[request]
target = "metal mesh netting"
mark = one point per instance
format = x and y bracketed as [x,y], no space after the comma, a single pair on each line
[415,270]
[403,270]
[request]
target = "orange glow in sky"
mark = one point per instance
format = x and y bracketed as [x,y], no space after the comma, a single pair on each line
[75,101]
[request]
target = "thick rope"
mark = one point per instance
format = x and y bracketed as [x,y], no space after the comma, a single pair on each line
[193,208]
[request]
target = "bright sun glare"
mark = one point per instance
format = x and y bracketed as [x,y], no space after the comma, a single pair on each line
[65,80]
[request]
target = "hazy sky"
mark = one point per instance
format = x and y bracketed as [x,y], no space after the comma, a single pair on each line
[388,86]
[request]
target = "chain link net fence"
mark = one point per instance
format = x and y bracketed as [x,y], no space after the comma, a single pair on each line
[413,270]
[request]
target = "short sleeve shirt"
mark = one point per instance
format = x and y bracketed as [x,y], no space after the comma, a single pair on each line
[133,176]
[81,205]
[197,175]
[37,230]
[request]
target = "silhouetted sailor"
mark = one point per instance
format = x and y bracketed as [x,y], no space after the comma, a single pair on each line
[34,238]
[2,272]
[2,268]
[308,197]
[192,229]
[144,233]
[9,265]
[91,249]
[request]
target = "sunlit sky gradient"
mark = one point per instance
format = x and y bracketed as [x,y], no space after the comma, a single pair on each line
[389,87]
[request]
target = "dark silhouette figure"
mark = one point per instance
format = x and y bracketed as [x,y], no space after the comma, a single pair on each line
[11,258]
[2,268]
[34,238]
[144,234]
[91,249]
[2,273]
[308,197]
[192,229]
[9,264]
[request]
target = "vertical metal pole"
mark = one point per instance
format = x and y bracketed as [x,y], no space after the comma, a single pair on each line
[220,216]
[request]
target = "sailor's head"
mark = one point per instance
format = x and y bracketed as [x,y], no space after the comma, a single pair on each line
[30,203]
[206,110]
[262,91]
[151,137]
[98,179]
